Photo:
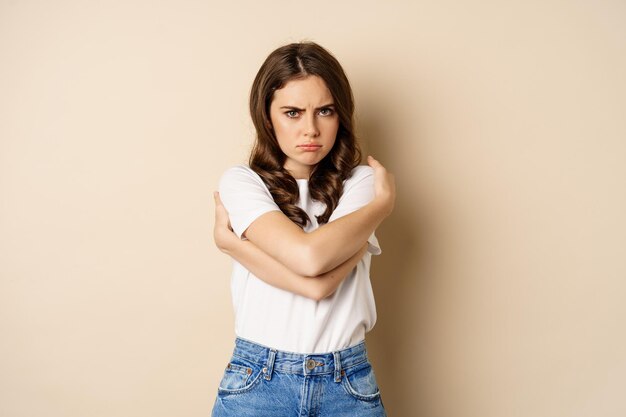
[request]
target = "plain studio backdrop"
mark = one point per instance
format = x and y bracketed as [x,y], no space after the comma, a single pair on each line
[500,291]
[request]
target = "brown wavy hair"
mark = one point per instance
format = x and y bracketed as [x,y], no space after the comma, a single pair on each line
[297,61]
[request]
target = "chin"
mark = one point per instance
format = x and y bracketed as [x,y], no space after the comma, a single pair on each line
[311,161]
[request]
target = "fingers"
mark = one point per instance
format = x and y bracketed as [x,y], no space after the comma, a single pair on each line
[221,215]
[384,183]
[216,198]
[373,162]
[222,230]
[219,208]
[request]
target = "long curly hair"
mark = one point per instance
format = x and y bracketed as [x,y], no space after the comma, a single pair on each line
[297,61]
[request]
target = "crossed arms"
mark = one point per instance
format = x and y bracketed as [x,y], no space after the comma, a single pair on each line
[313,264]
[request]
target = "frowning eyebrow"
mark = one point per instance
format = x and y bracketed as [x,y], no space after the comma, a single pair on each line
[325,106]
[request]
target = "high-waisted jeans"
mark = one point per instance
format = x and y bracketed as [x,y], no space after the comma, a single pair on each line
[263,382]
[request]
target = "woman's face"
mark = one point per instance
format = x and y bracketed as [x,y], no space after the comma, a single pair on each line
[305,123]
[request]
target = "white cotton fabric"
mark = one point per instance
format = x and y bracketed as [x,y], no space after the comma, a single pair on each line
[283,320]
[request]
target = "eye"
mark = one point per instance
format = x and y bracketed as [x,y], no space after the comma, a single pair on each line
[326,111]
[292,114]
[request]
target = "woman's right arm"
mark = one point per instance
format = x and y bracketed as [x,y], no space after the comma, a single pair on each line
[327,247]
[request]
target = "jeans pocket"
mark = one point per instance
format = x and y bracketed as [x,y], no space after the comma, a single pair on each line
[360,382]
[240,376]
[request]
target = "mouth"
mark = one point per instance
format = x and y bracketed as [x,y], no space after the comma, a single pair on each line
[309,147]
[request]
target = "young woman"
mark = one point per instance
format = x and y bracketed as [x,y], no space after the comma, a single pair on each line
[299,222]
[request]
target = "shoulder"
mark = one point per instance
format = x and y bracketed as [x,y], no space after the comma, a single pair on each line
[239,171]
[241,180]
[360,183]
[240,174]
[358,190]
[362,171]
[244,196]
[359,175]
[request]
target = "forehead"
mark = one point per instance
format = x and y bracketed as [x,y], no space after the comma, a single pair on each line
[303,92]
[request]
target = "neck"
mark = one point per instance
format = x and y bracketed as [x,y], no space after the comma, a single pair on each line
[299,174]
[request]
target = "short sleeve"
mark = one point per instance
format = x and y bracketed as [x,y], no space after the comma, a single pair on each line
[358,191]
[245,197]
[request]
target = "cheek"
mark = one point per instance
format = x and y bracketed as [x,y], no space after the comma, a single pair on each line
[332,127]
[285,131]
[284,134]
[279,126]
[280,133]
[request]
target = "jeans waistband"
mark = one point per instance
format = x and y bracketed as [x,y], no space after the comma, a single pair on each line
[301,363]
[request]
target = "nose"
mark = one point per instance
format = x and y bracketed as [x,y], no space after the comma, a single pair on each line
[311,130]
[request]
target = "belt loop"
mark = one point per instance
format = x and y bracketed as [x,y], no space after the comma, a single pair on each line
[337,367]
[270,365]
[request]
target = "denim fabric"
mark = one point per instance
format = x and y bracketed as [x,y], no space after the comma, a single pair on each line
[263,382]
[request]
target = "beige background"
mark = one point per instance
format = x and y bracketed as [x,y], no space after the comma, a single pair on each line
[500,291]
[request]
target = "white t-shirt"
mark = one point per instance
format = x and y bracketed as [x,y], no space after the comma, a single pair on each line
[283,320]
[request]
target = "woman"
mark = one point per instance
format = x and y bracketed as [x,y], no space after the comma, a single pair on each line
[299,223]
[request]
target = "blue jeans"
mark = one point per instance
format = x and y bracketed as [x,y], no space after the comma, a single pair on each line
[263,382]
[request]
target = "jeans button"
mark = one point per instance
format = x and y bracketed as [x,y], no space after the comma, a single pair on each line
[310,364]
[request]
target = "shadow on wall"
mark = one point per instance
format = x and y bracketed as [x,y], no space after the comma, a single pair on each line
[398,279]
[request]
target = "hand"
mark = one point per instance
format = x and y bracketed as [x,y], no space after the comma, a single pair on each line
[384,184]
[222,232]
